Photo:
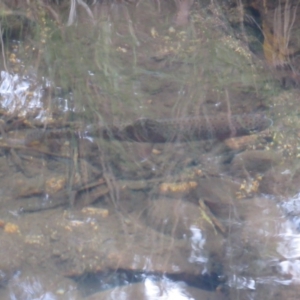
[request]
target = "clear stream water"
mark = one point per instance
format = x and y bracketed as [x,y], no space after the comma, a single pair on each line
[120,220]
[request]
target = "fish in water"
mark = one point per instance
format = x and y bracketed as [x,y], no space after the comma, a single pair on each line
[220,127]
[195,128]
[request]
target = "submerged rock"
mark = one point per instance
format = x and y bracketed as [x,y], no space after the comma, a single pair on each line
[254,161]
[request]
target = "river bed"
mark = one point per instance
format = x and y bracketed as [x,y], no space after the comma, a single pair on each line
[87,217]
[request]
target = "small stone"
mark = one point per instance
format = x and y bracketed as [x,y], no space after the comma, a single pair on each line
[177,187]
[11,228]
[2,224]
[95,211]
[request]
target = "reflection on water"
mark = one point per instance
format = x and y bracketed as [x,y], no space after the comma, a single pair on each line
[153,289]
[290,268]
[189,221]
[38,286]
[20,95]
[31,289]
[197,243]
[169,291]
[289,247]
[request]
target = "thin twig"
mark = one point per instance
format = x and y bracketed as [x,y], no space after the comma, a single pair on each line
[2,49]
